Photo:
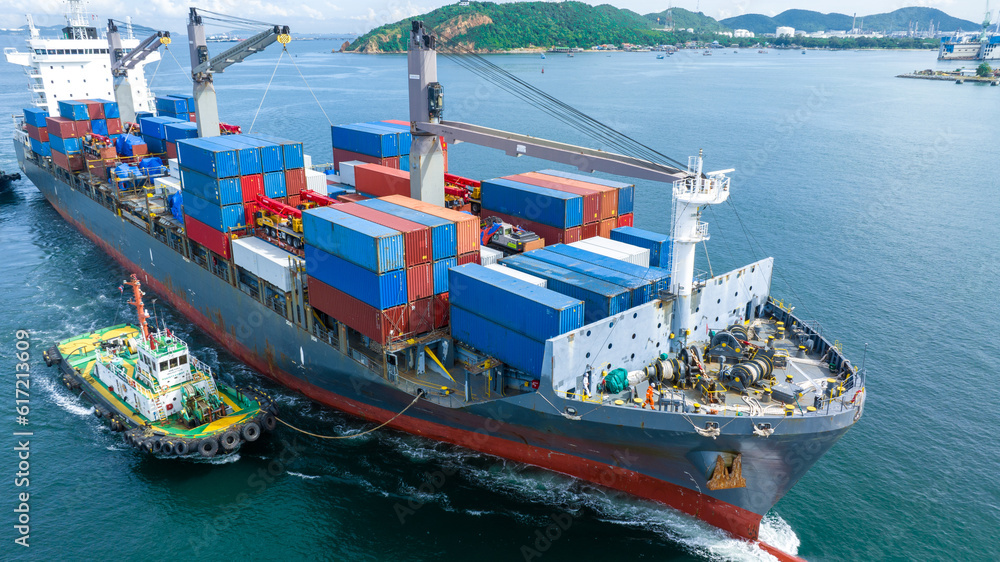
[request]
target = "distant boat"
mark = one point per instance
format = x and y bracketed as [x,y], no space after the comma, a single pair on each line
[543,55]
[707,53]
[803,51]
[570,55]
[659,56]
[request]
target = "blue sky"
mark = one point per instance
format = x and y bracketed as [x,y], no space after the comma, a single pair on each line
[355,16]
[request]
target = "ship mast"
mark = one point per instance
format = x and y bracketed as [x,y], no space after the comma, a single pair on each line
[140,309]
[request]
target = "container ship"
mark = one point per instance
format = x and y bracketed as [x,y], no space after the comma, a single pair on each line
[579,344]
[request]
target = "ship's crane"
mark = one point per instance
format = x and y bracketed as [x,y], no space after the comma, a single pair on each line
[203,67]
[692,189]
[122,62]
[280,222]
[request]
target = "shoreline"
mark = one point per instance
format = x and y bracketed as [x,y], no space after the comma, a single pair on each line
[538,50]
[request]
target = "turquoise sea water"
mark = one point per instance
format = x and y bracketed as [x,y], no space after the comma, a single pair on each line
[877,196]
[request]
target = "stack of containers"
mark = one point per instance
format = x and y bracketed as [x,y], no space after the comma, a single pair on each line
[615,249]
[210,181]
[626,196]
[553,215]
[507,318]
[291,156]
[443,248]
[110,125]
[64,141]
[419,266]
[607,200]
[386,143]
[466,226]
[592,199]
[639,290]
[270,263]
[173,132]
[659,245]
[655,278]
[176,106]
[38,133]
[600,298]
[356,272]
[153,131]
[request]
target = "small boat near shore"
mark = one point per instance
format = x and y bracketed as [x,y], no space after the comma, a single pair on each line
[149,387]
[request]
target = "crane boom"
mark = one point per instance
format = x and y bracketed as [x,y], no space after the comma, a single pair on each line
[203,67]
[122,62]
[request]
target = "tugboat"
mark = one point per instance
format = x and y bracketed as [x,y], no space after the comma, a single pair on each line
[149,387]
[6,180]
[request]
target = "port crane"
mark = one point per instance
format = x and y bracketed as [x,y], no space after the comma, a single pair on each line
[122,62]
[693,189]
[203,66]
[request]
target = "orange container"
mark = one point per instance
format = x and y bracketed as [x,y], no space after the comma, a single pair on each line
[466,225]
[381,180]
[609,196]
[591,197]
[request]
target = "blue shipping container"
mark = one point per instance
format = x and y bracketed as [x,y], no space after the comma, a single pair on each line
[372,246]
[41,148]
[366,139]
[440,272]
[111,110]
[247,153]
[639,291]
[153,126]
[270,153]
[35,116]
[274,184]
[600,298]
[380,291]
[403,134]
[626,191]
[155,145]
[223,218]
[539,204]
[291,151]
[514,349]
[99,127]
[206,156]
[66,146]
[658,277]
[170,104]
[176,131]
[443,235]
[225,191]
[74,110]
[536,312]
[404,162]
[658,244]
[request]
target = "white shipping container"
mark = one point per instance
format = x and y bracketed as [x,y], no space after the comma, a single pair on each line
[628,252]
[489,256]
[347,171]
[266,261]
[174,168]
[519,275]
[316,181]
[308,160]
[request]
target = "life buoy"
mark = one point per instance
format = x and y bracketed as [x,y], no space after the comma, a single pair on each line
[170,407]
[251,432]
[208,447]
[230,440]
[269,422]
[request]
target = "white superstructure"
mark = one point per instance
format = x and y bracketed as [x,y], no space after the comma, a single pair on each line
[76,65]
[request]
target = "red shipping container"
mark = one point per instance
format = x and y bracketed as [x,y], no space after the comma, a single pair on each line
[82,128]
[251,186]
[420,316]
[94,108]
[471,257]
[550,234]
[114,126]
[591,197]
[416,237]
[590,230]
[207,236]
[609,196]
[442,310]
[607,226]
[72,163]
[295,181]
[192,117]
[250,212]
[382,326]
[140,150]
[293,200]
[466,225]
[61,127]
[381,180]
[351,197]
[419,282]
[40,134]
[348,156]
[625,220]
[171,147]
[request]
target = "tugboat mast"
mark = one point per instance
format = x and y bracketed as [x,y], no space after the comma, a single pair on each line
[140,309]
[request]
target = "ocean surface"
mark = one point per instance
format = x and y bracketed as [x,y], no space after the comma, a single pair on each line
[877,196]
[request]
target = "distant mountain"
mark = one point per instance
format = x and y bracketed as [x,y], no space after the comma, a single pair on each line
[810,21]
[685,19]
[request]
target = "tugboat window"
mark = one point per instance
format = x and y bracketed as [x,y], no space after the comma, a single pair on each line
[173,362]
[184,360]
[163,365]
